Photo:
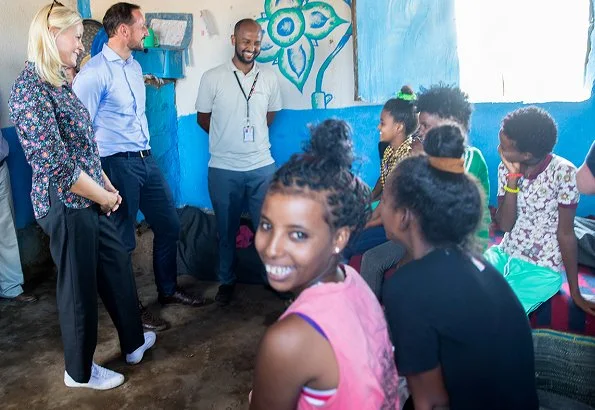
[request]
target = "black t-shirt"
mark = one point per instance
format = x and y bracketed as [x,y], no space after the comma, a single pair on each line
[458,312]
[590,160]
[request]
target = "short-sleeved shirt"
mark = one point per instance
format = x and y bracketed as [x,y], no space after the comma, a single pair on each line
[590,160]
[456,311]
[534,235]
[57,137]
[220,94]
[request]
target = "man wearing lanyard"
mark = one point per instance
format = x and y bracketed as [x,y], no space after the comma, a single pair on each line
[237,101]
[111,86]
[11,273]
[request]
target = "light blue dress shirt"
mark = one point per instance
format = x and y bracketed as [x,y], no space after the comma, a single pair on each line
[113,90]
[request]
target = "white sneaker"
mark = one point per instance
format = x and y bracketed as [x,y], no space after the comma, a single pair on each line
[136,356]
[101,379]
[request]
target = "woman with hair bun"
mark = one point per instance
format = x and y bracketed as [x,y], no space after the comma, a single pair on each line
[331,348]
[461,337]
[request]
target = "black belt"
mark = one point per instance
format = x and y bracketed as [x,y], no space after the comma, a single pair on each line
[132,154]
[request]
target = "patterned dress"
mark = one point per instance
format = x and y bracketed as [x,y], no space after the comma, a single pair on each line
[57,137]
[529,255]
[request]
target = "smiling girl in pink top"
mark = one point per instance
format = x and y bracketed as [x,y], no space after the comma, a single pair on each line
[330,349]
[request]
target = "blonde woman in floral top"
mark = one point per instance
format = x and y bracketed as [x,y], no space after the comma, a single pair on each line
[537,200]
[72,200]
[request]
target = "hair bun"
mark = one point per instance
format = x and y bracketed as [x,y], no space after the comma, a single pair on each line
[331,141]
[406,94]
[445,141]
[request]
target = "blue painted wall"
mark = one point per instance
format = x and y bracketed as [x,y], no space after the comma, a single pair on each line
[20,179]
[576,133]
[404,42]
[183,153]
[163,127]
[84,8]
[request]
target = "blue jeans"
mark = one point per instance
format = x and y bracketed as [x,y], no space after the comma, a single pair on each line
[11,273]
[142,186]
[228,191]
[367,239]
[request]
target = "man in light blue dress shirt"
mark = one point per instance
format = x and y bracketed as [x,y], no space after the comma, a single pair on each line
[112,88]
[11,272]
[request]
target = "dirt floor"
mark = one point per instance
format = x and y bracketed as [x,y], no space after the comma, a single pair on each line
[204,361]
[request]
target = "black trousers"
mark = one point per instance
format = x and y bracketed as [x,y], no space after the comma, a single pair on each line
[90,258]
[143,186]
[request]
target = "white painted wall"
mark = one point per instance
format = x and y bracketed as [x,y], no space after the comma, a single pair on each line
[15,19]
[207,52]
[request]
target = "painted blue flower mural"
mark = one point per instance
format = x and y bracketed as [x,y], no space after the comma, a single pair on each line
[291,30]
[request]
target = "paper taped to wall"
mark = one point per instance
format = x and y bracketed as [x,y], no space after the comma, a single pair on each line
[170,32]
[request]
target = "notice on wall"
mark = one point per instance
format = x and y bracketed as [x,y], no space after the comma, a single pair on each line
[169,32]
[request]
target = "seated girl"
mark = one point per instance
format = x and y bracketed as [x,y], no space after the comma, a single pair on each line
[440,104]
[537,200]
[461,337]
[398,123]
[330,349]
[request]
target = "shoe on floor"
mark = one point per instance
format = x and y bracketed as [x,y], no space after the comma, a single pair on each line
[182,298]
[24,297]
[151,322]
[136,356]
[101,379]
[224,294]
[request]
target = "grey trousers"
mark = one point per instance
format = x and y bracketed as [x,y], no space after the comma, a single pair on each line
[377,261]
[11,272]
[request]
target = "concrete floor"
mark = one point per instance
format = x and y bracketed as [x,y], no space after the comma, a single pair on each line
[204,361]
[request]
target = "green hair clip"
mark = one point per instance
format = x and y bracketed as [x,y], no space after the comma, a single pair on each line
[406,97]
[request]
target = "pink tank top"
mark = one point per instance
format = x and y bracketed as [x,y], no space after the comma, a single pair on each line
[349,316]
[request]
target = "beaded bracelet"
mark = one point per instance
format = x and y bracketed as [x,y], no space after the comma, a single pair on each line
[512,190]
[518,175]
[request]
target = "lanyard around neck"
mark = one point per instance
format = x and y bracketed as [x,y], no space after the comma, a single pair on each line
[247,97]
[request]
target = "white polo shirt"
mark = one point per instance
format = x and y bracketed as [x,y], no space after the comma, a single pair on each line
[219,94]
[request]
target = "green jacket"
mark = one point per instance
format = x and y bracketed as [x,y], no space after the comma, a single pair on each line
[475,164]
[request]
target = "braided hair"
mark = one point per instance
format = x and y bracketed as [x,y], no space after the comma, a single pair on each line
[324,169]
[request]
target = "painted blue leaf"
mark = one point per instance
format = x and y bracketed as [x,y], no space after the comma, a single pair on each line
[295,62]
[321,19]
[317,20]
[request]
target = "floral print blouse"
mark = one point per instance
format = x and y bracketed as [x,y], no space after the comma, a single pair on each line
[57,137]
[534,235]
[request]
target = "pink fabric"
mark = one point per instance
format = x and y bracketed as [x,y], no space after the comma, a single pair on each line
[244,237]
[353,321]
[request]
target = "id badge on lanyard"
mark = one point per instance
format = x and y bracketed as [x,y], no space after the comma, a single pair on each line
[248,131]
[248,128]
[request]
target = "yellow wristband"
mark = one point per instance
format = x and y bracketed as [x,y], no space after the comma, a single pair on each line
[512,190]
